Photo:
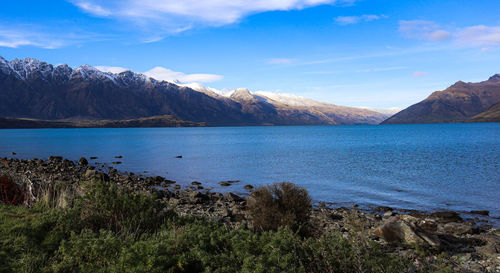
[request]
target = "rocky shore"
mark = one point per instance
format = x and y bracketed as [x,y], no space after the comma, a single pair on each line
[470,245]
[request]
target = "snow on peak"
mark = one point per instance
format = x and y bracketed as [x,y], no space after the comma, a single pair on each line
[289,99]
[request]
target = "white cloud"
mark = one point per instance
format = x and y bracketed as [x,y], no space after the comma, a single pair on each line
[280,61]
[479,36]
[419,74]
[472,36]
[111,69]
[420,29]
[165,74]
[177,14]
[348,20]
[161,73]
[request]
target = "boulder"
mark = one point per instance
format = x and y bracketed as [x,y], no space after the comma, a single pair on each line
[232,197]
[55,158]
[196,197]
[395,230]
[447,216]
[83,162]
[457,228]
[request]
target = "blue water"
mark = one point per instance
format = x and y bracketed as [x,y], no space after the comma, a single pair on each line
[426,167]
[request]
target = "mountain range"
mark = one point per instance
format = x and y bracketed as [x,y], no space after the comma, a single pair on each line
[34,89]
[458,103]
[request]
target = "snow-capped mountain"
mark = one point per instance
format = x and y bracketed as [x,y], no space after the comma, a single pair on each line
[35,89]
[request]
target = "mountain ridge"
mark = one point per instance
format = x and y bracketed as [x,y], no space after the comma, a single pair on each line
[30,88]
[457,103]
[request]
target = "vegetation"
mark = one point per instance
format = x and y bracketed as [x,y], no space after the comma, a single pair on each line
[280,205]
[114,230]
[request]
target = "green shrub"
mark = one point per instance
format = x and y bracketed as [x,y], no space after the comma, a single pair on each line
[105,206]
[280,205]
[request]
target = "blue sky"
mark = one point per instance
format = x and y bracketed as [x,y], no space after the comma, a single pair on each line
[370,53]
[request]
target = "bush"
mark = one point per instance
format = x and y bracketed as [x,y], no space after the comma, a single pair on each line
[282,204]
[105,206]
[10,192]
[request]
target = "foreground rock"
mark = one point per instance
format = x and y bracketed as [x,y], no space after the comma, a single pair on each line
[469,246]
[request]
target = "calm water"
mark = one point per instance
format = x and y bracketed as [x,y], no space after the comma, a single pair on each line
[428,167]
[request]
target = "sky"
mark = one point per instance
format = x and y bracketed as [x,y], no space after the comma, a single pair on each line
[364,53]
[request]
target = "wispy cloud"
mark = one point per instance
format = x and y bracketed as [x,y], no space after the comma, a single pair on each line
[479,36]
[349,20]
[472,36]
[92,8]
[421,29]
[419,74]
[37,36]
[365,70]
[175,15]
[389,53]
[281,61]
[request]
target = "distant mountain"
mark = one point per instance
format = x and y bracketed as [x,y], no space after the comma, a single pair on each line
[490,115]
[457,103]
[30,88]
[155,121]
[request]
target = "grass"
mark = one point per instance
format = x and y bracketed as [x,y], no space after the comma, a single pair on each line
[113,230]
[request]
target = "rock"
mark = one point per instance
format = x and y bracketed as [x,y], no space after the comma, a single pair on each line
[225,184]
[116,162]
[388,214]
[196,197]
[12,153]
[199,187]
[427,225]
[232,197]
[195,183]
[394,231]
[179,156]
[177,187]
[158,179]
[390,231]
[481,212]
[447,216]
[83,162]
[491,245]
[118,156]
[169,181]
[93,157]
[248,187]
[457,228]
[174,201]
[90,173]
[383,208]
[55,158]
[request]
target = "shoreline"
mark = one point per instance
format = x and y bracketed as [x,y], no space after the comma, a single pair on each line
[158,184]
[471,243]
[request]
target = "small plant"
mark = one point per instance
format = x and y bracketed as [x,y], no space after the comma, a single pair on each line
[10,192]
[282,204]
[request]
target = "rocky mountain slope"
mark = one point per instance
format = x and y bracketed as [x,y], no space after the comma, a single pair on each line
[30,88]
[490,115]
[457,103]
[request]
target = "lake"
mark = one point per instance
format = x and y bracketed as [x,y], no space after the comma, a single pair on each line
[425,167]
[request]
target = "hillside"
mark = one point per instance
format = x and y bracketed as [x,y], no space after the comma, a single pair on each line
[490,115]
[33,89]
[155,121]
[457,103]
